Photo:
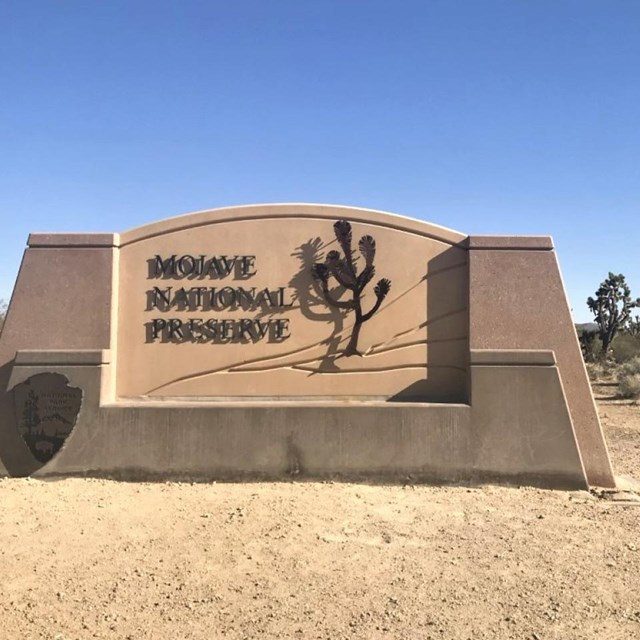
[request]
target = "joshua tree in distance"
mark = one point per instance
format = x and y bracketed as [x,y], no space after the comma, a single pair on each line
[344,270]
[612,308]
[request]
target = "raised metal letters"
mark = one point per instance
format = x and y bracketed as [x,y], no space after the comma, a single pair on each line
[263,302]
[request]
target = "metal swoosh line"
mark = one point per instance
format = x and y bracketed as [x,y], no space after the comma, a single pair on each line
[340,335]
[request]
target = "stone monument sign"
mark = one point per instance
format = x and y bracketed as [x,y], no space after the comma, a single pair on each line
[250,341]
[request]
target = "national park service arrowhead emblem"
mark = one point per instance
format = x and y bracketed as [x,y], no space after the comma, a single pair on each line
[46,409]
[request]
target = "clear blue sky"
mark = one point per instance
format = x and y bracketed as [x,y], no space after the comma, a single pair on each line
[486,116]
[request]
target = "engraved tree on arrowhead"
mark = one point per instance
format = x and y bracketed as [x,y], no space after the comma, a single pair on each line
[31,415]
[344,269]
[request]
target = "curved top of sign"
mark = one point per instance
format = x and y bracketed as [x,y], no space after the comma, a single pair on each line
[291,211]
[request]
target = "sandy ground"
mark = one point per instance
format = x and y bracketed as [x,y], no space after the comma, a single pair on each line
[101,559]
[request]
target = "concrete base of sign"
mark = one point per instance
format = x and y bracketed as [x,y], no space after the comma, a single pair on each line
[505,435]
[503,391]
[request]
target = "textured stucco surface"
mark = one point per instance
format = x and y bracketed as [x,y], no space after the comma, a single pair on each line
[517,301]
[61,300]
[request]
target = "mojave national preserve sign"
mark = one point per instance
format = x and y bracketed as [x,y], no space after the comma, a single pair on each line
[244,309]
[307,339]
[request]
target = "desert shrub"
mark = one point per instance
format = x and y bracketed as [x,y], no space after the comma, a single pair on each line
[625,347]
[606,368]
[629,379]
[629,386]
[631,367]
[595,370]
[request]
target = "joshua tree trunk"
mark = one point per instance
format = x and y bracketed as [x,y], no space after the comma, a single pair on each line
[352,347]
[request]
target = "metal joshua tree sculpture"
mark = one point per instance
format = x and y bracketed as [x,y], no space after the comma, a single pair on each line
[343,268]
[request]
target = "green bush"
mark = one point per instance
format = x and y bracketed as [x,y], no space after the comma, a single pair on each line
[590,344]
[625,347]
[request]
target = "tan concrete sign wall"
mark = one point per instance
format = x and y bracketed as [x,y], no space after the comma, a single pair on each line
[230,308]
[276,340]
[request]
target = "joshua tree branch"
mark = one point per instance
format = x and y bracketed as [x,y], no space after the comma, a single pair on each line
[365,277]
[375,307]
[335,272]
[381,290]
[342,230]
[332,301]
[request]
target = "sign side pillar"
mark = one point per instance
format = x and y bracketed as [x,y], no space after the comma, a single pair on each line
[62,300]
[518,301]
